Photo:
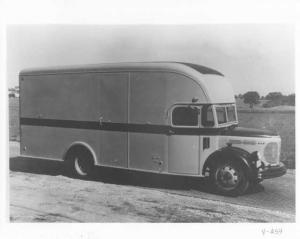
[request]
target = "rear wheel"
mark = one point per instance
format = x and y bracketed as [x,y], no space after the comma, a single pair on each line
[229,178]
[80,163]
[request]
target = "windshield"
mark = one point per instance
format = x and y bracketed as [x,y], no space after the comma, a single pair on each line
[226,114]
[231,114]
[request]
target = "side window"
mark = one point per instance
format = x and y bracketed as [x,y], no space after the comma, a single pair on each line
[221,115]
[185,116]
[207,116]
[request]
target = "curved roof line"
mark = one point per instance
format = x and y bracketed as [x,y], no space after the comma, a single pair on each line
[202,69]
[194,72]
[159,65]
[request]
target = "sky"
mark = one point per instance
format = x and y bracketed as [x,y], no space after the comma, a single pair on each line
[254,57]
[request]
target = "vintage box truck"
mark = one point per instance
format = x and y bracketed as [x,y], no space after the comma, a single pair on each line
[164,117]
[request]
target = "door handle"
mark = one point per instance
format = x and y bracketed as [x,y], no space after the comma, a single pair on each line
[159,162]
[156,159]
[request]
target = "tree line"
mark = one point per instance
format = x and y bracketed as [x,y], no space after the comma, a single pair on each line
[272,99]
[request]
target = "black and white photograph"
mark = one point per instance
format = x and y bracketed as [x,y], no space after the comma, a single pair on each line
[167,119]
[152,123]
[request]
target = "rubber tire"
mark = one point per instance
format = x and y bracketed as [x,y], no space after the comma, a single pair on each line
[241,187]
[79,164]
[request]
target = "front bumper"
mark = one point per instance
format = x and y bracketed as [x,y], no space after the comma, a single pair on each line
[273,171]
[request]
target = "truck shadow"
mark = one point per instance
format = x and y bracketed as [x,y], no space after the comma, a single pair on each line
[117,176]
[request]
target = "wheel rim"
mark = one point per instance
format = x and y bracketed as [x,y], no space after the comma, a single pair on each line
[80,166]
[228,177]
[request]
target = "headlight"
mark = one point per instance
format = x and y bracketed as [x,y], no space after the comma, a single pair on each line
[271,153]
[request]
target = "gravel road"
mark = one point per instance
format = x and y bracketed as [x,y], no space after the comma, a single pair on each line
[39,192]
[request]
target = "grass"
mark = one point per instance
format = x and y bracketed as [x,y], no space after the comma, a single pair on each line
[242,107]
[281,122]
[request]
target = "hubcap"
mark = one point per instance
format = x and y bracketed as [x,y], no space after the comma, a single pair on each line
[227,177]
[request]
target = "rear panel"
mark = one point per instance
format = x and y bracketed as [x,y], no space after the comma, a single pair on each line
[72,104]
[52,142]
[61,96]
[57,97]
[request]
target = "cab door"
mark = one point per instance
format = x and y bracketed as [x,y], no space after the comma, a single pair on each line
[183,141]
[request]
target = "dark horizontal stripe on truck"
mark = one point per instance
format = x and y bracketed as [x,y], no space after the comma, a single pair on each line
[121,127]
[140,128]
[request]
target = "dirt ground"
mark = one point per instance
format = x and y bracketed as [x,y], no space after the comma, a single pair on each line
[39,192]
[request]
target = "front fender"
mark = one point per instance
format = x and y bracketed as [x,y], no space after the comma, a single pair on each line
[247,159]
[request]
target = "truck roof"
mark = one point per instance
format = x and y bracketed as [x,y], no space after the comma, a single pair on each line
[135,66]
[214,84]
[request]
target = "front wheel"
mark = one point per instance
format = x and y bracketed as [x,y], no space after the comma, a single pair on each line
[229,178]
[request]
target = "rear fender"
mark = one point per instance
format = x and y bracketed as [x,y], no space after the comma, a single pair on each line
[83,145]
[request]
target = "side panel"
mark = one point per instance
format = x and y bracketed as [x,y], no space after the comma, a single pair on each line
[151,96]
[113,148]
[113,97]
[88,96]
[147,98]
[184,154]
[181,89]
[79,97]
[62,97]
[153,93]
[147,151]
[52,142]
[206,152]
[113,109]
